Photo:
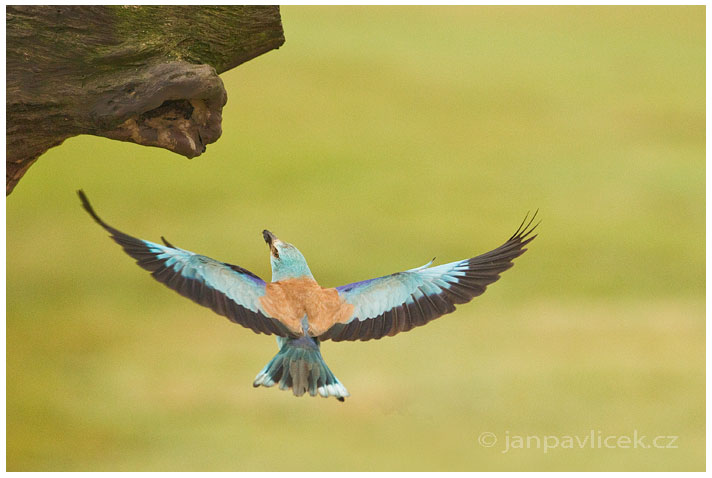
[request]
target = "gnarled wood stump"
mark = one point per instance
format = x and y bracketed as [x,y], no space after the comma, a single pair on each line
[146,74]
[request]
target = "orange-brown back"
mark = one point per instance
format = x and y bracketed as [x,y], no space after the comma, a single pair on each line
[291,299]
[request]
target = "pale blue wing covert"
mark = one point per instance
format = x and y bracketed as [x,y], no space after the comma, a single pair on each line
[227,289]
[398,302]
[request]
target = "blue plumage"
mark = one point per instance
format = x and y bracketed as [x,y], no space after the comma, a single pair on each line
[300,366]
[302,314]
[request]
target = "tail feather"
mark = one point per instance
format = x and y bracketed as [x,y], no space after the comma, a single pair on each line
[299,365]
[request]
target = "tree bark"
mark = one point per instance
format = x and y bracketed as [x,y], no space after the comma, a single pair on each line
[145,74]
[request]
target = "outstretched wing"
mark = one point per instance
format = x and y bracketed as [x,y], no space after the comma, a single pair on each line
[227,289]
[398,302]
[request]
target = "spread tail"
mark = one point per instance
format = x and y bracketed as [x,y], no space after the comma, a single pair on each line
[298,365]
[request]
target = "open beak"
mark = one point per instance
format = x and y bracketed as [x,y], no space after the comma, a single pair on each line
[270,239]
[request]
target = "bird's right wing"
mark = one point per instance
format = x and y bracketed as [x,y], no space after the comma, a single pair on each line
[398,302]
[227,289]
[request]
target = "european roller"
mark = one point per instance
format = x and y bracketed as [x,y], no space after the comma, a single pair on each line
[302,314]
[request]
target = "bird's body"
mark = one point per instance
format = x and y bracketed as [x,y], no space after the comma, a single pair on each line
[293,299]
[302,314]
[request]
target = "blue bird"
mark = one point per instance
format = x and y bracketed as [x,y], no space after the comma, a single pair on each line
[302,314]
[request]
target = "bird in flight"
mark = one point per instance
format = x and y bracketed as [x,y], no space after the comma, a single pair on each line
[302,314]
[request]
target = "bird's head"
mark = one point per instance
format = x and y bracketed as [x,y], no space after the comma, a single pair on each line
[287,262]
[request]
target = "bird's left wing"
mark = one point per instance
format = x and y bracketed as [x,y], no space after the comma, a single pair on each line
[227,289]
[398,302]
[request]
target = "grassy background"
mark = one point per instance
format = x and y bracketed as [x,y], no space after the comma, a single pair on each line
[375,139]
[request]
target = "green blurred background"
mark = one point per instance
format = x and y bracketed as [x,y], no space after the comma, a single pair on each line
[375,139]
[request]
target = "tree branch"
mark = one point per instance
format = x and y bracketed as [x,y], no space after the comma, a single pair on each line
[146,74]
